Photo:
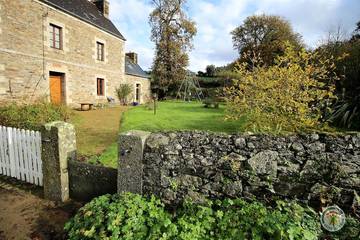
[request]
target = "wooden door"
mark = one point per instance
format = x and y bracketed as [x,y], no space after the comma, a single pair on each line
[55,89]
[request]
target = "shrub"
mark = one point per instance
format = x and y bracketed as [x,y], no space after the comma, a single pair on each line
[346,113]
[32,116]
[290,95]
[347,58]
[130,216]
[123,92]
[127,216]
[238,219]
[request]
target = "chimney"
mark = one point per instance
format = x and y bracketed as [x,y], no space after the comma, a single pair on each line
[103,6]
[133,57]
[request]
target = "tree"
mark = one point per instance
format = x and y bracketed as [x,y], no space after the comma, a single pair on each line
[288,96]
[266,36]
[346,53]
[172,33]
[201,74]
[356,35]
[210,70]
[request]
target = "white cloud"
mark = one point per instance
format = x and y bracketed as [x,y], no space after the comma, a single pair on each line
[131,18]
[216,18]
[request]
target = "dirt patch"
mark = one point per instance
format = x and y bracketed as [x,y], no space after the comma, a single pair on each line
[96,130]
[24,214]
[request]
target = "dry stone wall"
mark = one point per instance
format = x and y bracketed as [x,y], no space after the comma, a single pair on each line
[197,165]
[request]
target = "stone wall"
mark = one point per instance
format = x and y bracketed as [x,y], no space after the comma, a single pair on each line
[24,32]
[63,176]
[313,168]
[87,181]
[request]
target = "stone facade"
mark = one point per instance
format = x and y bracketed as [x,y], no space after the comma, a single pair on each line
[318,169]
[145,88]
[26,58]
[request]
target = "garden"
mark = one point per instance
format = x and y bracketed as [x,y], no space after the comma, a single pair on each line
[170,116]
[132,217]
[274,88]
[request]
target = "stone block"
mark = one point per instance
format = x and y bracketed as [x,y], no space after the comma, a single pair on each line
[88,181]
[264,163]
[130,157]
[58,145]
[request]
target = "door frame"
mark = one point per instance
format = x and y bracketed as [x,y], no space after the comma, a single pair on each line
[140,92]
[63,85]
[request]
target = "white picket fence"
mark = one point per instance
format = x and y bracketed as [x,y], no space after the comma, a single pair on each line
[20,155]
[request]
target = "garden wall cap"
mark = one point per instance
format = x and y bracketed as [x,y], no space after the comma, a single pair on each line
[48,126]
[135,133]
[143,135]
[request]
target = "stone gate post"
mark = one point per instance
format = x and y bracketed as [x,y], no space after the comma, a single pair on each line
[58,145]
[130,156]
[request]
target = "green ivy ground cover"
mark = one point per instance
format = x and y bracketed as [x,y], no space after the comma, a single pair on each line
[132,217]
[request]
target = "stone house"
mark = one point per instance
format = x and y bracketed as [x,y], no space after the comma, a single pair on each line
[136,76]
[66,51]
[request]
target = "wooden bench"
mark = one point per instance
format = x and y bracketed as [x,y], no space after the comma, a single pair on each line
[90,106]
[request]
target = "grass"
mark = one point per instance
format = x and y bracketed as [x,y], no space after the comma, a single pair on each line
[95,131]
[172,115]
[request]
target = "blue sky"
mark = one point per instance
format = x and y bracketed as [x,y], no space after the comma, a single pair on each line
[215,19]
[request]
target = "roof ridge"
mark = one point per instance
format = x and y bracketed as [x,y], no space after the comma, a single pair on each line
[86,11]
[132,68]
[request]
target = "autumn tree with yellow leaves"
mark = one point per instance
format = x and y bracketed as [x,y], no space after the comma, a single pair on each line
[290,95]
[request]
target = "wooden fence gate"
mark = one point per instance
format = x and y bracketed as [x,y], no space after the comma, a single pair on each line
[20,155]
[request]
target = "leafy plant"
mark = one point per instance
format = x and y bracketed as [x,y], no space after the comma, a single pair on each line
[126,216]
[267,35]
[347,58]
[289,96]
[123,92]
[130,216]
[32,116]
[346,113]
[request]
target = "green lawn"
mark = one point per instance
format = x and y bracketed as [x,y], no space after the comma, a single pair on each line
[97,131]
[173,115]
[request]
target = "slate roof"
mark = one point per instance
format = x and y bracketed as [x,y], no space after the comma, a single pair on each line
[134,69]
[86,11]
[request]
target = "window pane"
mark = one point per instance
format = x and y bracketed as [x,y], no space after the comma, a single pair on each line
[100,51]
[55,36]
